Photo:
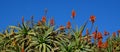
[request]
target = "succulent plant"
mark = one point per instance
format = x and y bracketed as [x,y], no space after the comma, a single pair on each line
[46,37]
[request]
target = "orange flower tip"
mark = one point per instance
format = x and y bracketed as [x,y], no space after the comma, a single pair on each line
[62,27]
[39,23]
[99,43]
[73,14]
[99,35]
[43,19]
[105,45]
[94,35]
[52,22]
[68,26]
[92,18]
[114,34]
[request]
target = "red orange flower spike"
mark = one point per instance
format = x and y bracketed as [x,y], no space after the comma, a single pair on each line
[39,23]
[114,34]
[68,26]
[52,22]
[99,35]
[105,45]
[94,35]
[62,27]
[99,43]
[73,14]
[43,19]
[92,18]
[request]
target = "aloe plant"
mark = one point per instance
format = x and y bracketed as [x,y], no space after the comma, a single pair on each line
[45,37]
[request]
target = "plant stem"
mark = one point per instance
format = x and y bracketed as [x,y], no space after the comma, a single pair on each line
[91,28]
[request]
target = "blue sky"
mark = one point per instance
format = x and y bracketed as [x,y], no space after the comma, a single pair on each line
[106,11]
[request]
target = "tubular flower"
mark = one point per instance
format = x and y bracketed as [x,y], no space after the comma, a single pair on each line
[39,23]
[73,14]
[68,25]
[52,22]
[62,27]
[99,35]
[106,33]
[94,35]
[99,43]
[92,18]
[105,45]
[43,19]
[114,34]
